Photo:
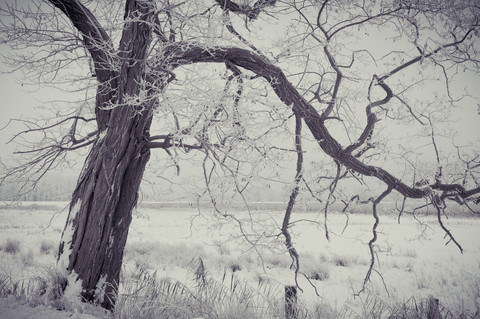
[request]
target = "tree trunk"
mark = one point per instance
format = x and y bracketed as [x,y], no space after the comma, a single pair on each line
[100,212]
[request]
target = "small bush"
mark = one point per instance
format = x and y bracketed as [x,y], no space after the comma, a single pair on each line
[425,308]
[27,258]
[277,260]
[12,246]
[235,267]
[12,287]
[324,310]
[46,247]
[319,274]
[50,288]
[409,252]
[19,289]
[340,261]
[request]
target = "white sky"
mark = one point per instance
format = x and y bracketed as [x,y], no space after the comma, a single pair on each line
[18,100]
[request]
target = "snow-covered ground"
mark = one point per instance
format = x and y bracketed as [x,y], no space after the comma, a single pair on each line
[412,258]
[11,308]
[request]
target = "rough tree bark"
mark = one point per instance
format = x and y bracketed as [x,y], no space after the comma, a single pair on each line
[100,212]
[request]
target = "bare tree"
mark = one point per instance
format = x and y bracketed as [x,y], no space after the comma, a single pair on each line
[216,79]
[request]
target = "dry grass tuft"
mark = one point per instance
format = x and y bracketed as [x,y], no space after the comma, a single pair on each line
[12,246]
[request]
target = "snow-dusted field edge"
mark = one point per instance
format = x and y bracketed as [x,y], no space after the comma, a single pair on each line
[412,257]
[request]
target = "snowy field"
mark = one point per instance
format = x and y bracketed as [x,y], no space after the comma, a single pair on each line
[412,263]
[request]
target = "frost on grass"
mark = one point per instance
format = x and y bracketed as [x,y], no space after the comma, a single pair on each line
[100,288]
[72,293]
[59,289]
[12,308]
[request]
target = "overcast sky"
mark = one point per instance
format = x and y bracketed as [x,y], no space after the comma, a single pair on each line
[17,100]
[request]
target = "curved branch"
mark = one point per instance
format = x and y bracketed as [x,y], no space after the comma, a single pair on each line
[336,87]
[96,40]
[331,188]
[423,56]
[44,128]
[231,29]
[190,53]
[252,12]
[366,19]
[372,241]
[440,207]
[291,202]
[371,117]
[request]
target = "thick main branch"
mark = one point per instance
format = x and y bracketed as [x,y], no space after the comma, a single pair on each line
[95,38]
[188,54]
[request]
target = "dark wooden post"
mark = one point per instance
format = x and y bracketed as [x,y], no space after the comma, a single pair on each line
[290,302]
[432,309]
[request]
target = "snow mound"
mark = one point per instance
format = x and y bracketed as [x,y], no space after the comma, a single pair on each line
[12,308]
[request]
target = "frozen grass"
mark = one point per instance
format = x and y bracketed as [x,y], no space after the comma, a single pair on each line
[412,264]
[18,288]
[12,246]
[149,297]
[47,247]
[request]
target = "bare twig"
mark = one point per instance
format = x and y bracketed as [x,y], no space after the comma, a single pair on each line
[372,241]
[291,202]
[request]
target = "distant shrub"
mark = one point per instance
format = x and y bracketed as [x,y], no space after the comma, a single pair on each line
[315,270]
[46,247]
[320,274]
[409,252]
[235,267]
[324,310]
[12,246]
[27,258]
[341,261]
[277,260]
[425,308]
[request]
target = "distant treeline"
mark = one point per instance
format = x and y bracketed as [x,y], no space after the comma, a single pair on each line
[50,188]
[59,187]
[387,208]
